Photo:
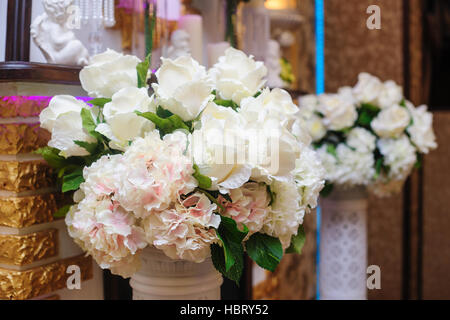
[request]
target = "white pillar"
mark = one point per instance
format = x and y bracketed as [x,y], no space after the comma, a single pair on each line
[162,278]
[343,245]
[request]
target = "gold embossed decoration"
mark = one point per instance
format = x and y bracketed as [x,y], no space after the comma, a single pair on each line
[22,138]
[20,250]
[23,176]
[21,285]
[20,212]
[21,106]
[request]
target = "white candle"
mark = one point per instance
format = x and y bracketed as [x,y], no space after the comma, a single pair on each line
[215,50]
[193,25]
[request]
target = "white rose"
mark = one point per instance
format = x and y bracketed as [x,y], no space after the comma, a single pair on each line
[276,104]
[421,131]
[361,140]
[272,151]
[219,148]
[109,72]
[183,87]
[339,112]
[390,94]
[237,75]
[368,88]
[68,128]
[308,102]
[399,154]
[311,122]
[62,118]
[309,175]
[122,123]
[57,106]
[391,122]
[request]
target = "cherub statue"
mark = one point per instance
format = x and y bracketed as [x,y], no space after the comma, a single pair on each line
[58,43]
[179,44]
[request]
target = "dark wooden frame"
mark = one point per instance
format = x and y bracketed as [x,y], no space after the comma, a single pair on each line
[39,72]
[18,30]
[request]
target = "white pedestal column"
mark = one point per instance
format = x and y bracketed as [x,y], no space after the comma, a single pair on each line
[162,278]
[343,245]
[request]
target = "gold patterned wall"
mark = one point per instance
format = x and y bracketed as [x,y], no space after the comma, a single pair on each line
[35,249]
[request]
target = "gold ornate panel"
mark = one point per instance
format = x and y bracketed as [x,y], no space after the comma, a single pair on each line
[24,176]
[20,285]
[22,138]
[21,250]
[21,106]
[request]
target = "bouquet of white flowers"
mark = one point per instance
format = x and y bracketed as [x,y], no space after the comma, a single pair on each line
[211,164]
[368,135]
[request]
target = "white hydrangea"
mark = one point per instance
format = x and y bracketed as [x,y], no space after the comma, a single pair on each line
[185,230]
[286,214]
[157,172]
[100,225]
[249,205]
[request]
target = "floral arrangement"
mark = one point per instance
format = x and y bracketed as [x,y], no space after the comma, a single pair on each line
[211,164]
[368,135]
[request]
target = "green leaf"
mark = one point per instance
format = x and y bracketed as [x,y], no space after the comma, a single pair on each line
[72,181]
[378,167]
[165,126]
[366,113]
[297,241]
[327,189]
[51,155]
[163,113]
[89,124]
[89,147]
[62,212]
[228,259]
[227,103]
[142,71]
[218,259]
[265,250]
[204,182]
[99,102]
[418,163]
[331,149]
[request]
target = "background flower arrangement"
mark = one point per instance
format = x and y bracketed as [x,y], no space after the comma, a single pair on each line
[368,135]
[144,169]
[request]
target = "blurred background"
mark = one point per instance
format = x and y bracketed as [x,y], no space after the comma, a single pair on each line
[316,46]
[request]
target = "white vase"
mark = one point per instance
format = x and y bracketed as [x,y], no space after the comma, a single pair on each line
[343,245]
[162,278]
